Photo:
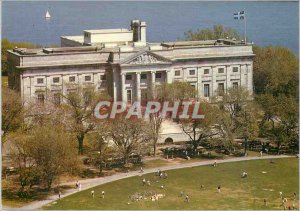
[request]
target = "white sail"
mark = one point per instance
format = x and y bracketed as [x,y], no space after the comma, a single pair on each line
[47,14]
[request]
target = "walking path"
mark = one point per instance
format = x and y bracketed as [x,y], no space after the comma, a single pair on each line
[89,183]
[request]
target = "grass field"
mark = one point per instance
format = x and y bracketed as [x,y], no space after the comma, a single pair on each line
[236,192]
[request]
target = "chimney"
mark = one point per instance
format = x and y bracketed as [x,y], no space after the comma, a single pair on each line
[135,27]
[143,31]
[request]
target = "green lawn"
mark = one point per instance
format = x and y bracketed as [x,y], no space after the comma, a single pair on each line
[236,192]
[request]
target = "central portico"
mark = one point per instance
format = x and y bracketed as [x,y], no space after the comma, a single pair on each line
[138,74]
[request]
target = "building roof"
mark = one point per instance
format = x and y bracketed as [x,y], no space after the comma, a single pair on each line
[105,31]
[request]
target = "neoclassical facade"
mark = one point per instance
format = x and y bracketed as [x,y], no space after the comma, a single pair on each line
[122,62]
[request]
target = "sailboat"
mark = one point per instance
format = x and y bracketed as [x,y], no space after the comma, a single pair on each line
[47,16]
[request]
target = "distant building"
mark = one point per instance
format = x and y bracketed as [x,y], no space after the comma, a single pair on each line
[122,62]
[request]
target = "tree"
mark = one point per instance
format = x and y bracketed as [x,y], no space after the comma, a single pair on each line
[217,32]
[12,112]
[100,140]
[178,90]
[155,121]
[53,152]
[280,121]
[175,91]
[201,129]
[128,134]
[80,105]
[276,83]
[240,116]
[20,154]
[275,71]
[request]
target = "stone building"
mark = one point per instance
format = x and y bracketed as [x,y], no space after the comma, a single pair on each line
[122,62]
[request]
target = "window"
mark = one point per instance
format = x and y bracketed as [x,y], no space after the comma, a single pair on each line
[192,72]
[40,80]
[87,78]
[103,77]
[221,89]
[56,98]
[157,75]
[56,80]
[144,76]
[72,79]
[177,72]
[235,85]
[40,98]
[206,71]
[206,90]
[221,70]
[128,77]
[235,69]
[129,96]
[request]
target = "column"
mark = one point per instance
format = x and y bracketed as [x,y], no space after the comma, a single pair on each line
[115,85]
[123,90]
[214,85]
[199,82]
[152,83]
[243,77]
[168,76]
[249,78]
[227,76]
[138,84]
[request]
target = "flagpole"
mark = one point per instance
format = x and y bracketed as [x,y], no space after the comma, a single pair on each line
[245,27]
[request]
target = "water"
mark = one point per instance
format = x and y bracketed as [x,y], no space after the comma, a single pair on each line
[268,23]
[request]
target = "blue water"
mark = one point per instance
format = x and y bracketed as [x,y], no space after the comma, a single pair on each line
[268,23]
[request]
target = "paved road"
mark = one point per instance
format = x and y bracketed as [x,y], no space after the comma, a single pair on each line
[89,183]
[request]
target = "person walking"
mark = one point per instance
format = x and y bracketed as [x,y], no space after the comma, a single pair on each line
[187,199]
[219,189]
[103,193]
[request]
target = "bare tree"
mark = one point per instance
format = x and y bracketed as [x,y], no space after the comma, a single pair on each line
[12,112]
[80,105]
[100,141]
[201,129]
[155,122]
[128,134]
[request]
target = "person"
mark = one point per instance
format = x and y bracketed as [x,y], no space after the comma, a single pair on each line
[166,175]
[181,193]
[77,184]
[161,175]
[280,193]
[142,170]
[93,193]
[187,199]
[265,202]
[59,194]
[215,163]
[295,196]
[144,182]
[261,153]
[244,175]
[103,193]
[79,189]
[219,189]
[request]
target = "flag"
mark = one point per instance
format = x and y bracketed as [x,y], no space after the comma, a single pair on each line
[239,15]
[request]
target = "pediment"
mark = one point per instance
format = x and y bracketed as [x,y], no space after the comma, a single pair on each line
[146,57]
